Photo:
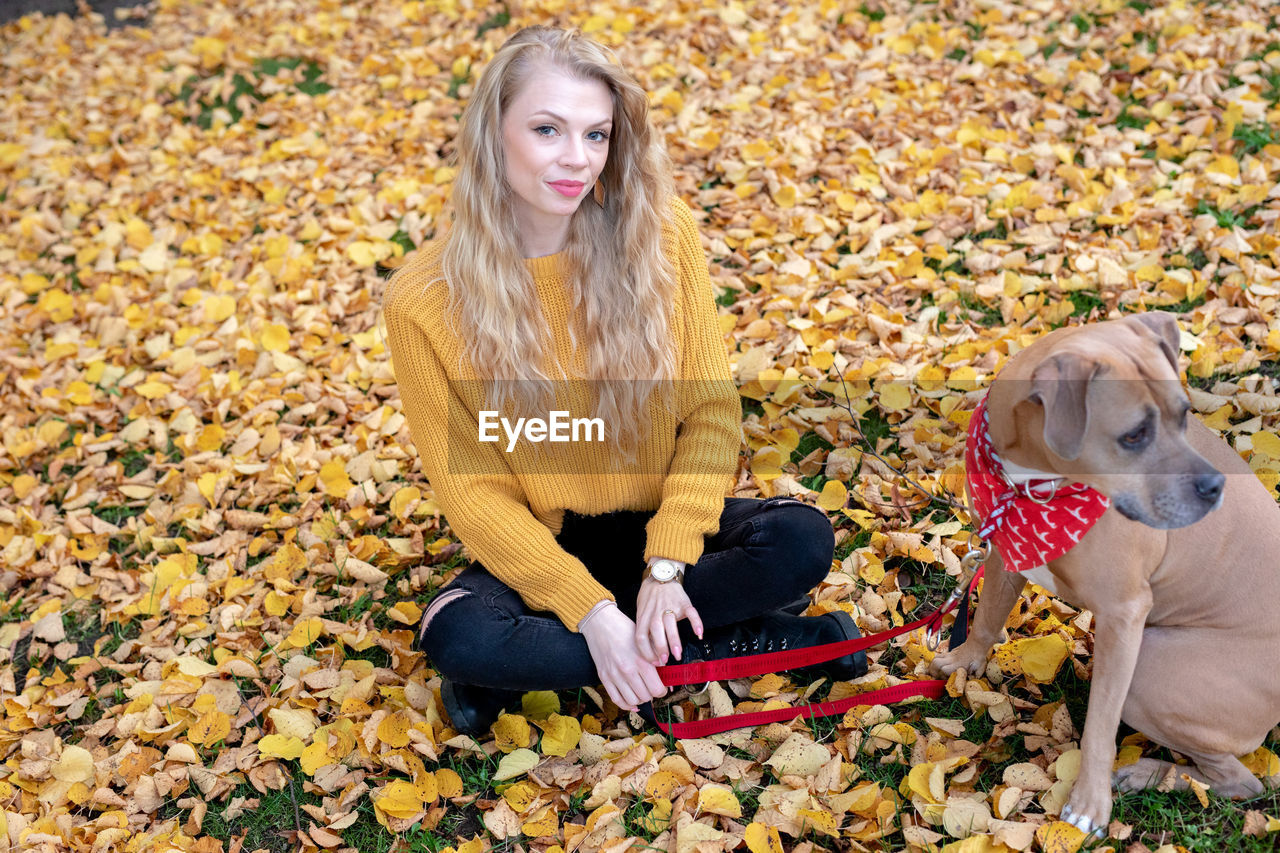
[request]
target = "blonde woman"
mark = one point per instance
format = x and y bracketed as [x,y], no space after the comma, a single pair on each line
[573,282]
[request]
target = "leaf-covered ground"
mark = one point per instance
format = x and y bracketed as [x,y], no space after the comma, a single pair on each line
[215,542]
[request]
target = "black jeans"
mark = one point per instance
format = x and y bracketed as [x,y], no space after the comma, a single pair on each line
[767,553]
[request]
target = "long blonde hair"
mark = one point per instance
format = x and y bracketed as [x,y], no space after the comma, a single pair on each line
[622,280]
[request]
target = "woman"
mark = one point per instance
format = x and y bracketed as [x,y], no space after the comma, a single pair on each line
[572,281]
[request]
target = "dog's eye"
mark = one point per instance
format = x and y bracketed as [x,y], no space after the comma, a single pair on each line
[1136,438]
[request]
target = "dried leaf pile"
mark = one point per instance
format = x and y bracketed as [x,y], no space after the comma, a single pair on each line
[214,542]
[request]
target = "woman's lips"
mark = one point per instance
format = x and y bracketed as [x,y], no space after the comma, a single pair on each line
[567,188]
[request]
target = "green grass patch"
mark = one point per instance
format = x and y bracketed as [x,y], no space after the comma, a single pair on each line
[1255,136]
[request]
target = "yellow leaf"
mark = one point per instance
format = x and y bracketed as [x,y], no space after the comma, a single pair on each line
[834,496]
[767,463]
[207,484]
[521,795]
[1039,658]
[306,631]
[275,338]
[403,498]
[427,784]
[516,763]
[661,785]
[210,438]
[894,396]
[449,783]
[315,756]
[1262,763]
[220,307]
[74,765]
[544,822]
[399,799]
[785,197]
[152,389]
[1200,789]
[211,727]
[406,613]
[763,839]
[719,799]
[1268,443]
[539,704]
[10,153]
[820,820]
[137,234]
[1225,164]
[394,730]
[1059,837]
[333,475]
[280,746]
[511,732]
[560,734]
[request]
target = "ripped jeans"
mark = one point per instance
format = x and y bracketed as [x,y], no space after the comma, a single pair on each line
[766,554]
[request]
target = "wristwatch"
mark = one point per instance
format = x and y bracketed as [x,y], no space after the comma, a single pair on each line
[664,571]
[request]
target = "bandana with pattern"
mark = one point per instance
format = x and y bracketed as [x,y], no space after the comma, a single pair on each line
[1029,531]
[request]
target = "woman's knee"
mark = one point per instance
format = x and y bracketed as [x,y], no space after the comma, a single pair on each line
[802,536]
[449,633]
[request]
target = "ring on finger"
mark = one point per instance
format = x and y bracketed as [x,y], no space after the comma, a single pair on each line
[665,612]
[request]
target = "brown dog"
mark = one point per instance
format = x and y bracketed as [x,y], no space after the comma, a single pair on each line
[1181,571]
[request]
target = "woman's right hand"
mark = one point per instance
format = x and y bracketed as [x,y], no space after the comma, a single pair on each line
[629,679]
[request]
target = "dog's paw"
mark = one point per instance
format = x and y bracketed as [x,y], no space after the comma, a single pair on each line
[968,658]
[1088,813]
[1143,774]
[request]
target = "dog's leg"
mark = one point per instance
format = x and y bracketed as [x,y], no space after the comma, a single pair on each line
[1192,722]
[1000,591]
[1116,641]
[1223,773]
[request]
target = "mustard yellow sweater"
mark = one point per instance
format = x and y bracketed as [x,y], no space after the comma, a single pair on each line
[507,505]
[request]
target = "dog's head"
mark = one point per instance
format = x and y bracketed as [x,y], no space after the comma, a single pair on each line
[1105,405]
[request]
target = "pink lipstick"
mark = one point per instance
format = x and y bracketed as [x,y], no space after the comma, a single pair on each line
[568,189]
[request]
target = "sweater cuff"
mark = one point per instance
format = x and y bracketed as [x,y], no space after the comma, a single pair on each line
[674,541]
[574,601]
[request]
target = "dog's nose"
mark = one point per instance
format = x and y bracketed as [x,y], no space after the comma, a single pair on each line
[1209,486]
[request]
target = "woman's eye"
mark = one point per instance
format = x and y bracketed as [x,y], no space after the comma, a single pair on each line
[599,136]
[544,130]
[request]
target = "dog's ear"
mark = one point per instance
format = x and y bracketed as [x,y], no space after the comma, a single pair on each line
[1165,328]
[1060,385]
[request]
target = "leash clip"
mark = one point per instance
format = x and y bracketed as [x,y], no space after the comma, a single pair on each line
[933,633]
[971,558]
[975,555]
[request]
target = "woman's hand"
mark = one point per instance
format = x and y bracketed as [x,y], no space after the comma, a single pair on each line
[629,679]
[659,606]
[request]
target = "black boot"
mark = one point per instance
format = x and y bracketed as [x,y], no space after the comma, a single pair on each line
[472,709]
[776,632]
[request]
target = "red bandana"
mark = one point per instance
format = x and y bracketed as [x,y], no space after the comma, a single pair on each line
[1029,531]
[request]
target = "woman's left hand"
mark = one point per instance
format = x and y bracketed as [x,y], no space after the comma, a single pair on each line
[659,606]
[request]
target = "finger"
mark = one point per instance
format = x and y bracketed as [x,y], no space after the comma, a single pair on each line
[643,646]
[622,695]
[695,621]
[652,682]
[672,638]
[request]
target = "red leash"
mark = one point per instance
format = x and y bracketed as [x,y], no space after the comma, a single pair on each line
[739,667]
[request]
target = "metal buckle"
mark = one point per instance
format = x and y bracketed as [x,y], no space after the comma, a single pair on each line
[933,634]
[1053,491]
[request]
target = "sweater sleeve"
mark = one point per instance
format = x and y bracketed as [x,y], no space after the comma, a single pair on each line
[710,432]
[473,484]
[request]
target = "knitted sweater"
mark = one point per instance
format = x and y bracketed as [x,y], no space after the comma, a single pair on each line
[506,500]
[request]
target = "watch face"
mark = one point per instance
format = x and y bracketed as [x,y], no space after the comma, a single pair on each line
[663,571]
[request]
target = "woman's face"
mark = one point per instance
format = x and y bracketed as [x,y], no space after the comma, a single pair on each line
[555,137]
